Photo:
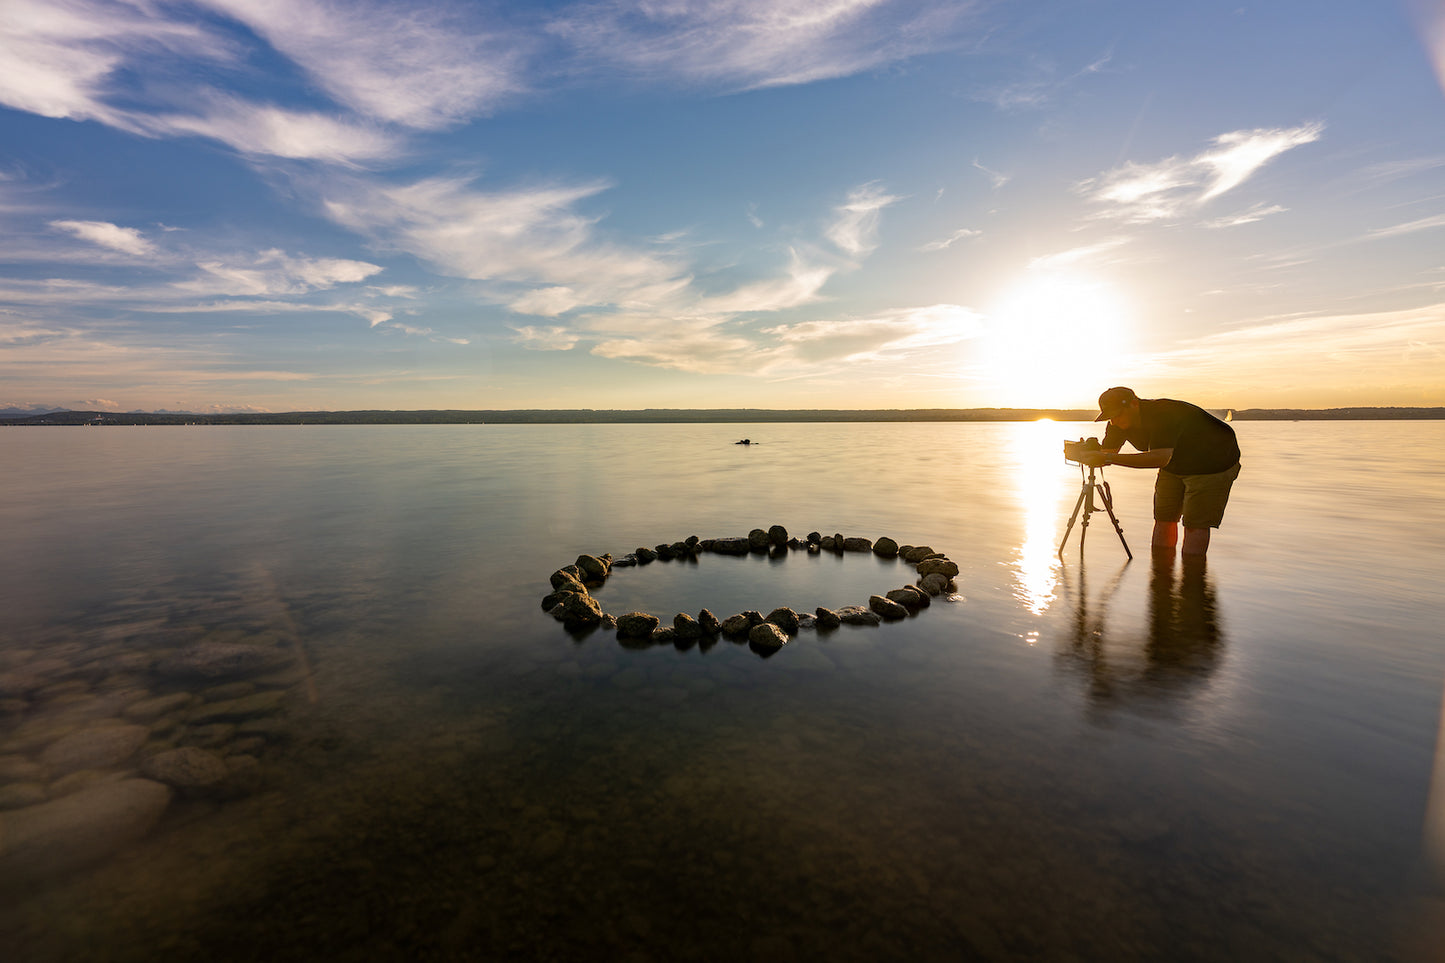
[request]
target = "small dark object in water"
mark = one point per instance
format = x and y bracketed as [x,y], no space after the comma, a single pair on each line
[745,441]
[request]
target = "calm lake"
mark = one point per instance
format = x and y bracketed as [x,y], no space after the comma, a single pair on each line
[1086,759]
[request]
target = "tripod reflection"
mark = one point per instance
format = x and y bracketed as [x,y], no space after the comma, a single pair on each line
[1181,647]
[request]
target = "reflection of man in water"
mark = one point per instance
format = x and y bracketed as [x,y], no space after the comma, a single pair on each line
[1197,456]
[1180,652]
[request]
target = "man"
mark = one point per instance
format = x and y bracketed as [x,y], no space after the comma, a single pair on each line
[1196,454]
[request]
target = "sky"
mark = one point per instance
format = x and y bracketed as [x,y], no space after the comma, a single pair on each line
[293,205]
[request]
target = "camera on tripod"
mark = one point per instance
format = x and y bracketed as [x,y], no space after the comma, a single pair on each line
[1073,449]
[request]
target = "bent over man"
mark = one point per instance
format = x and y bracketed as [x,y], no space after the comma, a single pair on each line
[1197,456]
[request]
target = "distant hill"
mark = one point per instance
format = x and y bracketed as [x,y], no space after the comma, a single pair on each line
[541,416]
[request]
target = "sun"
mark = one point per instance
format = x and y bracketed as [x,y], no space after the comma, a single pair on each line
[1054,338]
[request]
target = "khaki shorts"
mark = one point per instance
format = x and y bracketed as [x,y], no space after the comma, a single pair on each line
[1198,499]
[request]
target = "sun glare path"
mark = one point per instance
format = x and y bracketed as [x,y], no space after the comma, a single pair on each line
[1036,450]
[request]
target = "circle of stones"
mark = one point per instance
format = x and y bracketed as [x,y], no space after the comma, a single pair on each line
[572,603]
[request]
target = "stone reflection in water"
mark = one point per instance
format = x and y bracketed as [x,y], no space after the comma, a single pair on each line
[106,727]
[1181,648]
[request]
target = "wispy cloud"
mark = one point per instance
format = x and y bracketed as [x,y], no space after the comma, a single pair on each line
[855,224]
[415,65]
[1042,87]
[1176,186]
[1255,212]
[546,338]
[746,44]
[126,240]
[523,235]
[996,178]
[1409,227]
[274,272]
[944,243]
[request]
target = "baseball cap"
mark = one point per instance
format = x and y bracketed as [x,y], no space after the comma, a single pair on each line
[1111,401]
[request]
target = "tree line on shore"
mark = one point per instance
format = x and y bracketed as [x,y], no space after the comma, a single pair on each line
[540,416]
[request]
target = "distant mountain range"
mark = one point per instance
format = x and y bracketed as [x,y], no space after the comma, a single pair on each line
[539,416]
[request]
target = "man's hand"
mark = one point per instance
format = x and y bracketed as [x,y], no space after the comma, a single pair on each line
[1093,457]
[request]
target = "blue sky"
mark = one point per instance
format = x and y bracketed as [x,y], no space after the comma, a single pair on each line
[230,205]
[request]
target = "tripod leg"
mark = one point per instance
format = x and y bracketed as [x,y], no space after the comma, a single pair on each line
[1108,498]
[1072,518]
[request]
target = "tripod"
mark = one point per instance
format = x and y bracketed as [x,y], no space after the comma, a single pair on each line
[1087,503]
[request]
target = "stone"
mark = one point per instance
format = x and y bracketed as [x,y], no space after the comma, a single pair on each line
[636,625]
[56,837]
[915,553]
[95,748]
[708,621]
[757,540]
[778,535]
[565,580]
[885,547]
[730,546]
[768,636]
[665,553]
[148,710]
[18,795]
[219,660]
[858,615]
[887,608]
[644,555]
[685,627]
[626,561]
[551,601]
[664,635]
[910,596]
[815,537]
[785,619]
[190,769]
[942,566]
[232,710]
[826,618]
[17,768]
[827,543]
[736,625]
[935,583]
[210,735]
[227,691]
[857,544]
[581,612]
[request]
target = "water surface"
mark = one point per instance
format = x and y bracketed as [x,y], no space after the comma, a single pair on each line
[1090,758]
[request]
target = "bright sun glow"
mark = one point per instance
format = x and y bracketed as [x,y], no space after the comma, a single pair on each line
[1055,340]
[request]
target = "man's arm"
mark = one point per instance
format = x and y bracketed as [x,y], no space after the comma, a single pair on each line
[1153,458]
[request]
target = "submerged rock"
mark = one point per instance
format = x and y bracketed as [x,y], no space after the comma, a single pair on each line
[57,837]
[189,769]
[95,748]
[826,618]
[857,544]
[885,547]
[218,660]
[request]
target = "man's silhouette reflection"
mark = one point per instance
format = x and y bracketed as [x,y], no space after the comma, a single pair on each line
[1181,648]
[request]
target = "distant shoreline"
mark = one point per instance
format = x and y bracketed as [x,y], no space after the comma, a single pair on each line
[668,416]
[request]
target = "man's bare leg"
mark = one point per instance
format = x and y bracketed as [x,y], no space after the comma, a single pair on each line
[1196,541]
[1166,535]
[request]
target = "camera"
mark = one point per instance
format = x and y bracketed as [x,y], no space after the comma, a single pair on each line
[1073,449]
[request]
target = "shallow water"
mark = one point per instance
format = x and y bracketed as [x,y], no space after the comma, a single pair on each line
[1096,758]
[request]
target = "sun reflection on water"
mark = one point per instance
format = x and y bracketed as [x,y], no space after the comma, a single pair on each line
[1037,452]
